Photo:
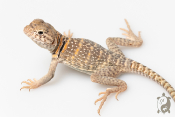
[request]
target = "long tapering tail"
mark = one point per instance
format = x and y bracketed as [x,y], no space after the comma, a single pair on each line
[145,71]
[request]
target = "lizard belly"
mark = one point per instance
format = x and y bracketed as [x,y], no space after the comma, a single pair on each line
[89,72]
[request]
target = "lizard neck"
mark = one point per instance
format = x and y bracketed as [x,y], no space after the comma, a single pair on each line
[62,42]
[59,41]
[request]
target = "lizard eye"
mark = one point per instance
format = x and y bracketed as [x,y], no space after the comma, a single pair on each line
[40,32]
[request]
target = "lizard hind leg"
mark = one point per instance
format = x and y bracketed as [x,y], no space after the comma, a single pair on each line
[112,46]
[107,76]
[130,40]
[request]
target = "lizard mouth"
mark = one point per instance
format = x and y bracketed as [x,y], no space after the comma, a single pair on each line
[27,31]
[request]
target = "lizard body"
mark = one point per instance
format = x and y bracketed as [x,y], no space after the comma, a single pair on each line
[103,65]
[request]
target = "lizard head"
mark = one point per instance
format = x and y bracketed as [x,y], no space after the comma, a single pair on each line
[42,33]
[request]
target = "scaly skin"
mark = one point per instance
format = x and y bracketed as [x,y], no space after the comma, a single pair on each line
[103,65]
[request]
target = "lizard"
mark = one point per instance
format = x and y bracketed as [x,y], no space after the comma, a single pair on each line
[103,65]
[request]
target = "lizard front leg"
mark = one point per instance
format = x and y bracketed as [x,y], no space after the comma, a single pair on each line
[107,76]
[68,35]
[36,83]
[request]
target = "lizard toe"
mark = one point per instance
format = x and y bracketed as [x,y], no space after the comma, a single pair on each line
[32,84]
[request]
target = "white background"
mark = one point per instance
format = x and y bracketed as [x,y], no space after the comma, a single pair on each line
[71,93]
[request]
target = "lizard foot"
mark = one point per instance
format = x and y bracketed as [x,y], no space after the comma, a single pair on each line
[103,98]
[69,34]
[130,35]
[32,84]
[106,93]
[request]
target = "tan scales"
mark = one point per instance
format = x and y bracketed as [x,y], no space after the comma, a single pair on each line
[103,65]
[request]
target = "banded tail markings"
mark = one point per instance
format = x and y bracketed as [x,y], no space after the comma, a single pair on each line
[139,68]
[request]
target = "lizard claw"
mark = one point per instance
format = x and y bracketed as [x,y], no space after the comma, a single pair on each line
[101,93]
[69,34]
[117,95]
[32,84]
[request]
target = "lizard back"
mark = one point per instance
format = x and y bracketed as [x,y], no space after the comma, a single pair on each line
[87,56]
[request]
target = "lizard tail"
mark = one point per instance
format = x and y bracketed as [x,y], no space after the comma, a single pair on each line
[145,71]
